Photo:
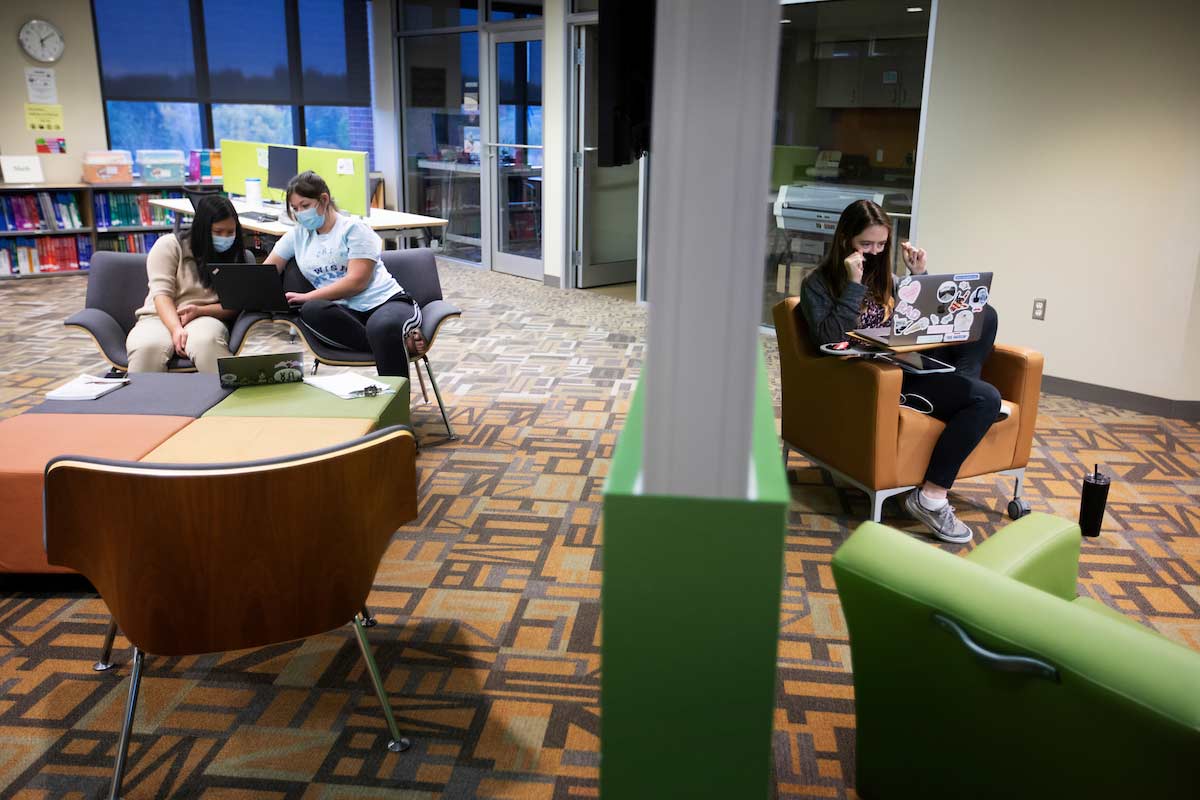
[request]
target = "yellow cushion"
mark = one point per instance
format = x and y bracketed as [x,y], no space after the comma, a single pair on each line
[220,440]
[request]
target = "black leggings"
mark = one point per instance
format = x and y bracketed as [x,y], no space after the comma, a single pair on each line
[379,331]
[961,399]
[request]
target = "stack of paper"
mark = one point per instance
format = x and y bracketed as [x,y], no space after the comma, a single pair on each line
[86,387]
[348,385]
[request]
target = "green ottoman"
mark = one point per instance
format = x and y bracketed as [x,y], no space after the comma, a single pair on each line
[301,400]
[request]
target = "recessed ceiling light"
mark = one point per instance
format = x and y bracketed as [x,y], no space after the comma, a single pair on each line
[914,9]
[785,22]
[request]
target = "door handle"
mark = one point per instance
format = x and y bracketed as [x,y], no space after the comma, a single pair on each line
[999,661]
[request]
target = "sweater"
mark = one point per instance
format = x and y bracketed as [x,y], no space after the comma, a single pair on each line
[829,317]
[172,271]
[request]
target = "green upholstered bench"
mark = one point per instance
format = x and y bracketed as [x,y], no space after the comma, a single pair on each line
[302,400]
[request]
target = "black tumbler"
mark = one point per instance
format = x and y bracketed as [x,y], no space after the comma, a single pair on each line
[1092,502]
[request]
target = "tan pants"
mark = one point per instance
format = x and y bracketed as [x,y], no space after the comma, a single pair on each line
[150,347]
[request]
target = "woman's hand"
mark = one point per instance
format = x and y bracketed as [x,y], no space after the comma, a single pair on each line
[296,298]
[188,312]
[179,338]
[854,266]
[914,257]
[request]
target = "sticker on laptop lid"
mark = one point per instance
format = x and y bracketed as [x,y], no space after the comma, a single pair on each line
[928,339]
[908,292]
[967,276]
[956,337]
[947,291]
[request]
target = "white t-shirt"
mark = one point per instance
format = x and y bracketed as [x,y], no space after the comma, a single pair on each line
[323,258]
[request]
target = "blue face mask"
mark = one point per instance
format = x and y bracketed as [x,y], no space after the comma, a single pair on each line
[310,218]
[223,243]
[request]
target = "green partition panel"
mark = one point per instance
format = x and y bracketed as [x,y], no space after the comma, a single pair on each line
[690,607]
[240,160]
[344,170]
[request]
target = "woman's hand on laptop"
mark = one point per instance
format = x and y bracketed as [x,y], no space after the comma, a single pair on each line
[914,257]
[296,298]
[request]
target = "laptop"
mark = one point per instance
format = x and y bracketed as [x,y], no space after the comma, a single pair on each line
[249,287]
[934,309]
[261,370]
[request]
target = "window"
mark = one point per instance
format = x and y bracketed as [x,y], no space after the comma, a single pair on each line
[255,123]
[502,10]
[136,125]
[423,14]
[228,72]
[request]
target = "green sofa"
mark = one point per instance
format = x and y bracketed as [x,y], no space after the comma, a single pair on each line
[1082,701]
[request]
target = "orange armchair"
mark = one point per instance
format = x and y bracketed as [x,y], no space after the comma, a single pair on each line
[845,416]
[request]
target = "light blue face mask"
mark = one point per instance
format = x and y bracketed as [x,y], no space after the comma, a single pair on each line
[223,243]
[310,218]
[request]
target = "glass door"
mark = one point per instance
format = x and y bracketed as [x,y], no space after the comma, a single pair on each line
[514,153]
[606,198]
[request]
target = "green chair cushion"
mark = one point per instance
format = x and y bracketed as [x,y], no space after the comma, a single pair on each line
[302,400]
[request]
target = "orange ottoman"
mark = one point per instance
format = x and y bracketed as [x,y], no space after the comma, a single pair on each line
[28,441]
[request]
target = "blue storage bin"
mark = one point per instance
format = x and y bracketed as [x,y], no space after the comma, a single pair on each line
[162,166]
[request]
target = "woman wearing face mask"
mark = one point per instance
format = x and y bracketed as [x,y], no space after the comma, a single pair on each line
[355,304]
[181,315]
[851,289]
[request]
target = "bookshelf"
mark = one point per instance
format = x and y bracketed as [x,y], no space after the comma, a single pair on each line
[51,229]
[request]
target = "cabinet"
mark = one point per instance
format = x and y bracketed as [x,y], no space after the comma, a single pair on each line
[880,73]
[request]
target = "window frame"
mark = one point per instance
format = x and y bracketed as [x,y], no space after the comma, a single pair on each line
[204,98]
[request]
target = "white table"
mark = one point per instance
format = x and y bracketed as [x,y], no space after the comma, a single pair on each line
[380,219]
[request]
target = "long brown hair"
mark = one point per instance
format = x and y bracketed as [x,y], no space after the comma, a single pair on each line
[877,272]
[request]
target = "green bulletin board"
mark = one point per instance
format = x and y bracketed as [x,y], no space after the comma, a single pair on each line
[344,170]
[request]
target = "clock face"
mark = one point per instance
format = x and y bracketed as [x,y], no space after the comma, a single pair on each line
[42,41]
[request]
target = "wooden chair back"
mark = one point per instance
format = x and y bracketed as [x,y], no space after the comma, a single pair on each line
[208,558]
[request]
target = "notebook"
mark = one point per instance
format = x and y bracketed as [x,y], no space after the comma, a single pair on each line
[86,387]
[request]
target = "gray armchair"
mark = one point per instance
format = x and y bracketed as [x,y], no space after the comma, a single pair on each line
[414,269]
[117,287]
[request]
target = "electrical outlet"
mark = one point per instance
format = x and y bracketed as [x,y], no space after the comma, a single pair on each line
[1039,308]
[879,156]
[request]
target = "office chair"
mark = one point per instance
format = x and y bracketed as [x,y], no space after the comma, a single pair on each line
[116,289]
[171,595]
[414,269]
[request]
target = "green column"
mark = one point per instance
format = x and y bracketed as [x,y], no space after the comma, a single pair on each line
[690,626]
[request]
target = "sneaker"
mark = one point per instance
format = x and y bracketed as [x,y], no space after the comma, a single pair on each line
[1005,411]
[941,522]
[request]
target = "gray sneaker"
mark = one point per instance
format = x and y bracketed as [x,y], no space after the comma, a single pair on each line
[941,522]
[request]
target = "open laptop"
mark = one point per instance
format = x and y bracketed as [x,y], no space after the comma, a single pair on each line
[249,287]
[261,370]
[934,309]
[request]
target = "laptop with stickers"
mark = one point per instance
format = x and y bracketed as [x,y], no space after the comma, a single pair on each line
[261,370]
[934,309]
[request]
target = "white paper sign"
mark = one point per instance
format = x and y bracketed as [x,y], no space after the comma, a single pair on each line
[41,85]
[262,157]
[22,169]
[345,166]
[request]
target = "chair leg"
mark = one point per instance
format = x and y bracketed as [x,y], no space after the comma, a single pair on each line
[368,621]
[398,743]
[877,499]
[421,378]
[135,682]
[785,455]
[438,395]
[315,365]
[105,661]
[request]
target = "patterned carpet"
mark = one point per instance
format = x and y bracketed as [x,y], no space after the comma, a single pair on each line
[488,603]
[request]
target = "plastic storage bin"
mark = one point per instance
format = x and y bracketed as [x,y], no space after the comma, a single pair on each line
[165,166]
[107,166]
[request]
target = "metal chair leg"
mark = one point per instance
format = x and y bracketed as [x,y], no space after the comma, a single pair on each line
[421,378]
[368,621]
[398,743]
[437,393]
[135,682]
[105,661]
[315,365]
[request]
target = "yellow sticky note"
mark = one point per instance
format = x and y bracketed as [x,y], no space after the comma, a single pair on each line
[43,117]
